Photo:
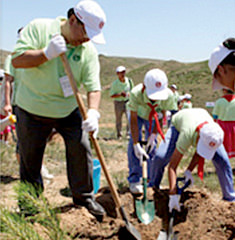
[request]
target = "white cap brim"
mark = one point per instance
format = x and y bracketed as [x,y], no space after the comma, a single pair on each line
[159,95]
[94,36]
[203,150]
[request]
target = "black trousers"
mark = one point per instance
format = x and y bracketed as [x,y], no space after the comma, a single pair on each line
[33,130]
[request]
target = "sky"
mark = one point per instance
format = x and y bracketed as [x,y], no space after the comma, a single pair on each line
[181,30]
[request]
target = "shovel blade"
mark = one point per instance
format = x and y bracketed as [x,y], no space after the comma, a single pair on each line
[164,236]
[128,232]
[145,211]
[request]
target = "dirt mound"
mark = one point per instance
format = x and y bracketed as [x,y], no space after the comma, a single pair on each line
[202,217]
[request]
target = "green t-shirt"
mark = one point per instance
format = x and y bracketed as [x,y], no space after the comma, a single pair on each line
[224,110]
[39,91]
[175,103]
[230,112]
[187,104]
[119,87]
[219,108]
[138,102]
[186,121]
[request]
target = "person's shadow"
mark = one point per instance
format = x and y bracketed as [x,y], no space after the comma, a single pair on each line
[5,179]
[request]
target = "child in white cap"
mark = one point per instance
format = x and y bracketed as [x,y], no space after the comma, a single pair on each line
[186,102]
[222,66]
[193,127]
[146,102]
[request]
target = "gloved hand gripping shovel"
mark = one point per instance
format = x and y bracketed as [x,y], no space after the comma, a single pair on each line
[170,235]
[179,191]
[145,208]
[129,231]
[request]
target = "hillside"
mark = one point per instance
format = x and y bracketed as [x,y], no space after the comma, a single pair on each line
[193,78]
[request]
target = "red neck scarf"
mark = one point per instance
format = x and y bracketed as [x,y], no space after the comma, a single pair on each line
[201,159]
[152,114]
[229,97]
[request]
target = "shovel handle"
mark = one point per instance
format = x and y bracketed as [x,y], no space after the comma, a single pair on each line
[179,190]
[93,140]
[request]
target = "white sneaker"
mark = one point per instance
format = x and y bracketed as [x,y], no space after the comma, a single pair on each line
[136,188]
[162,235]
[45,173]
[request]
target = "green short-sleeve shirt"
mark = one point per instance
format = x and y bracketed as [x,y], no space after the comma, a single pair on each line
[39,91]
[119,87]
[224,110]
[187,104]
[138,102]
[175,102]
[186,121]
[219,108]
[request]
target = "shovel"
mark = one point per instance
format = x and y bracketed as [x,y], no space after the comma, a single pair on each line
[128,231]
[170,234]
[145,209]
[179,191]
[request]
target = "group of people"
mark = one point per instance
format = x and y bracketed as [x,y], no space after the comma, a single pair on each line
[144,106]
[44,101]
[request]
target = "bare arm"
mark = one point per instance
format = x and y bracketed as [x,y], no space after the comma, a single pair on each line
[194,162]
[29,59]
[8,91]
[134,127]
[175,160]
[94,99]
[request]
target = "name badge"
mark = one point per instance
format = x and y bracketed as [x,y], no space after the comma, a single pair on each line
[66,87]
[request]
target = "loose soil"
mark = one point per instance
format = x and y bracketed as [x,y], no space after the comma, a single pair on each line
[204,216]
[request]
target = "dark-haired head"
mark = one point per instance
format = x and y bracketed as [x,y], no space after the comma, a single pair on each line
[229,43]
[70,13]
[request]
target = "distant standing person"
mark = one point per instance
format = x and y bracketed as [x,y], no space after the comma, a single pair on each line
[222,66]
[186,102]
[45,99]
[120,91]
[174,109]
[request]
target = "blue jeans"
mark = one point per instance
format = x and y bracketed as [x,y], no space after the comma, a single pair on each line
[220,161]
[33,132]
[135,169]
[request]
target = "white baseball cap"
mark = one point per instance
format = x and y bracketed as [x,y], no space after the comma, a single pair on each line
[187,96]
[92,15]
[217,56]
[120,69]
[156,83]
[174,86]
[210,138]
[1,73]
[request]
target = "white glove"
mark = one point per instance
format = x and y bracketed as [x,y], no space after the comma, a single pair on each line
[188,177]
[57,45]
[174,202]
[151,142]
[140,152]
[91,124]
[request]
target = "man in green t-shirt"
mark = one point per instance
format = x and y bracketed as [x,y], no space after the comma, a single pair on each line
[120,91]
[45,99]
